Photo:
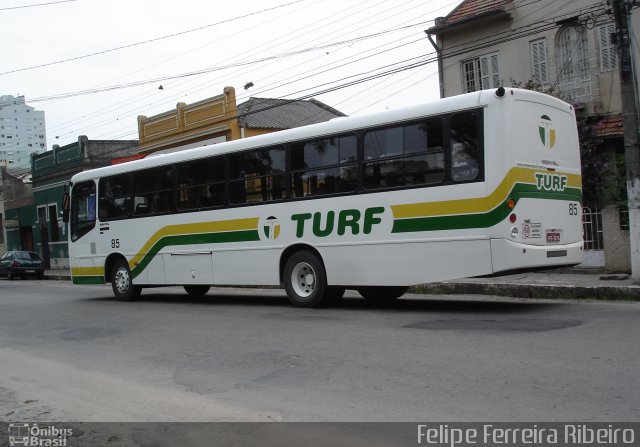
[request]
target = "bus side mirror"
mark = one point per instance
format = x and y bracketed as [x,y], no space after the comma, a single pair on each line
[65,208]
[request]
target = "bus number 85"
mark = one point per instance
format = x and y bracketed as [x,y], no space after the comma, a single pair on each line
[573,209]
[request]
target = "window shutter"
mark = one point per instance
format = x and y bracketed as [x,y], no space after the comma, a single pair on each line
[539,62]
[608,56]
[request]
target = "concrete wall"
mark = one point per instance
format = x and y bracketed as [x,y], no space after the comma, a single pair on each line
[616,241]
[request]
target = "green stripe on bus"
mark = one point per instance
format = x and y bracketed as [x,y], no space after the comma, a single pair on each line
[481,220]
[194,239]
[88,280]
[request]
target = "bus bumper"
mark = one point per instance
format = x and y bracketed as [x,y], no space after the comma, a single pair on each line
[510,255]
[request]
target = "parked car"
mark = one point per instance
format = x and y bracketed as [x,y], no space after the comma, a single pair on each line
[21,263]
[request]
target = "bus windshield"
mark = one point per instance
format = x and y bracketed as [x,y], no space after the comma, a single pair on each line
[83,206]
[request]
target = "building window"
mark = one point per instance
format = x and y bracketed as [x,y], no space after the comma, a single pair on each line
[539,72]
[573,62]
[608,56]
[480,73]
[54,228]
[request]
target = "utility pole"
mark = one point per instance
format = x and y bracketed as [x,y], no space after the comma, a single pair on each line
[621,10]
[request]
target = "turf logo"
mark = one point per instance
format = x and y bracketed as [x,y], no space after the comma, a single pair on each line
[547,132]
[271,228]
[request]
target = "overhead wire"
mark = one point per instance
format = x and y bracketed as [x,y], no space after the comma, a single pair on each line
[415,24]
[155,39]
[542,28]
[372,76]
[525,33]
[36,5]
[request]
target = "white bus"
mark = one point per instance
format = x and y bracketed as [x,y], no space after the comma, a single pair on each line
[470,185]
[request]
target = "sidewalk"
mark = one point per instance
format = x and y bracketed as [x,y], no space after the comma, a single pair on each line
[568,283]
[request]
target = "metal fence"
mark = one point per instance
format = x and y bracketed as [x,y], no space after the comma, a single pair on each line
[592,229]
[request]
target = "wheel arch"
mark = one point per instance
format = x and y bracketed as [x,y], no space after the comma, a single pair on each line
[289,251]
[109,262]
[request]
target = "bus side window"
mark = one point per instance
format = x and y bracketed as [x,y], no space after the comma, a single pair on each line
[404,156]
[322,167]
[115,197]
[153,191]
[465,154]
[257,176]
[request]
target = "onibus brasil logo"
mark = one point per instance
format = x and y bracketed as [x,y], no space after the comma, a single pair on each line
[24,434]
[547,132]
[271,228]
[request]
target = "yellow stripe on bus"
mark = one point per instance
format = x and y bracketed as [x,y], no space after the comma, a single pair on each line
[478,204]
[87,271]
[195,228]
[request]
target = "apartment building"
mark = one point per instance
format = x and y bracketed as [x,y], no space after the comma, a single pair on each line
[22,132]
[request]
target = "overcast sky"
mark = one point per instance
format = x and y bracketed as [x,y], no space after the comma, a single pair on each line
[286,48]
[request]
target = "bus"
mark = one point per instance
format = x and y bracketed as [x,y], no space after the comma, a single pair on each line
[476,184]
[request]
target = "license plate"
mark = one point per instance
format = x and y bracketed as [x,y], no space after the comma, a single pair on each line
[553,236]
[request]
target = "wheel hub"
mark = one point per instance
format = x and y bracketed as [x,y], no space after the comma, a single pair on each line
[303,279]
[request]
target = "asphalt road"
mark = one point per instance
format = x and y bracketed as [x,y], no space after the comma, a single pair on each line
[73,353]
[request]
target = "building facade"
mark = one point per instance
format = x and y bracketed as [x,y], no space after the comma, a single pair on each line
[565,47]
[218,119]
[22,132]
[33,218]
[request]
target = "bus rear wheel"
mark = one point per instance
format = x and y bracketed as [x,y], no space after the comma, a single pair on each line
[197,291]
[121,282]
[305,281]
[382,294]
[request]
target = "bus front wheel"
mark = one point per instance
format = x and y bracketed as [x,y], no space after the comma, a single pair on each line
[382,294]
[121,282]
[305,281]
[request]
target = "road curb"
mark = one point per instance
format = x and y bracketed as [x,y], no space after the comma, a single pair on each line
[532,291]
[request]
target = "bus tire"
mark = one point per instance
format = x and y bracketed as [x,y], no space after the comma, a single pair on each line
[382,294]
[196,291]
[305,281]
[121,282]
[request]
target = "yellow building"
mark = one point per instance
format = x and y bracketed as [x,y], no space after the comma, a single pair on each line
[219,119]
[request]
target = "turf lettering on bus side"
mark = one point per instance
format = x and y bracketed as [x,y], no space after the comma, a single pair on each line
[343,222]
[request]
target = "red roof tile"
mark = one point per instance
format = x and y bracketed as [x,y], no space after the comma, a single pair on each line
[610,126]
[472,8]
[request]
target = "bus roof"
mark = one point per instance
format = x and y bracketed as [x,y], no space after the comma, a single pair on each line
[331,127]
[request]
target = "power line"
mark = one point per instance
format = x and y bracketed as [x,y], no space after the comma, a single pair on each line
[523,32]
[337,16]
[37,4]
[216,68]
[149,40]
